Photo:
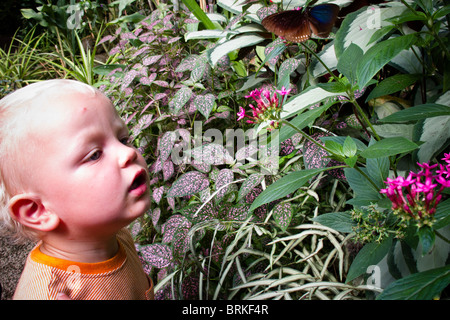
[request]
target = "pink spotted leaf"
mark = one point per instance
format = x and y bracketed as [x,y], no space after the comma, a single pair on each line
[187,64]
[204,104]
[165,145]
[180,243]
[170,227]
[252,181]
[188,184]
[224,177]
[157,194]
[200,69]
[180,99]
[168,170]
[155,215]
[157,255]
[238,212]
[282,213]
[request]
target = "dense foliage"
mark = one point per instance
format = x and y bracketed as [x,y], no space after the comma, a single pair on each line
[318,170]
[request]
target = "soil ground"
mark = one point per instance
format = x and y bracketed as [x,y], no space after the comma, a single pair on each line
[12,260]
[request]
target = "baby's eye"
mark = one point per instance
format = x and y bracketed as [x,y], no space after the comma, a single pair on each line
[95,156]
[126,140]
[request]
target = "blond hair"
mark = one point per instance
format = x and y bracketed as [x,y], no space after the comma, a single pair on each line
[14,108]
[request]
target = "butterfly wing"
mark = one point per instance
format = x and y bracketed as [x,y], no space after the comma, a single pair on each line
[322,18]
[292,25]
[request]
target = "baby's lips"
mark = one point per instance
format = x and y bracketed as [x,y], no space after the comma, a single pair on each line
[139,179]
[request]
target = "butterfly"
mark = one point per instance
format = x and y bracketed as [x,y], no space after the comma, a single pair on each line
[297,26]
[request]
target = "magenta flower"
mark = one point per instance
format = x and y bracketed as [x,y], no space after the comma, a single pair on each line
[417,196]
[267,108]
[446,157]
[241,113]
[284,91]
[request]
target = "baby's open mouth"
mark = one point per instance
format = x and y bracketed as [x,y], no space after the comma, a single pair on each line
[138,181]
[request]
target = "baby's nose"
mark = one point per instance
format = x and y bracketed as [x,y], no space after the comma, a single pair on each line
[127,155]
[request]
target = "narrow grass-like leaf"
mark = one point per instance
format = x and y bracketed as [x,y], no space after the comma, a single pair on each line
[339,221]
[288,184]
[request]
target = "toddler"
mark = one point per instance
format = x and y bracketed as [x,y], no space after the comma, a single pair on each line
[70,178]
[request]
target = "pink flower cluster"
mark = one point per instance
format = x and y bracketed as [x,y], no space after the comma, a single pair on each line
[418,195]
[267,107]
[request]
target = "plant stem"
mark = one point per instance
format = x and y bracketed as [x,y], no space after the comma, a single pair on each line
[441,236]
[366,120]
[307,137]
[320,60]
[367,177]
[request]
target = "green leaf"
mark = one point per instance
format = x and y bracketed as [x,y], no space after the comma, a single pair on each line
[439,13]
[379,55]
[333,87]
[365,192]
[370,254]
[419,112]
[339,221]
[348,62]
[378,168]
[442,215]
[393,84]
[199,13]
[426,236]
[302,120]
[389,147]
[306,98]
[238,42]
[282,187]
[351,161]
[424,285]
[349,147]
[132,18]
[334,147]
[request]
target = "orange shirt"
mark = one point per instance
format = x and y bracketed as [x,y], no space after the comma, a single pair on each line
[119,278]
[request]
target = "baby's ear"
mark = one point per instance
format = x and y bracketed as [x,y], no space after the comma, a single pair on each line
[29,211]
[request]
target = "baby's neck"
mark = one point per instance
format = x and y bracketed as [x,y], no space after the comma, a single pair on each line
[84,251]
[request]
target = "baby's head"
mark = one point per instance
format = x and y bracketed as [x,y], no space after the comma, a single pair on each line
[66,163]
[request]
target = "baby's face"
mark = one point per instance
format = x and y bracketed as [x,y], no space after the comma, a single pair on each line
[84,167]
